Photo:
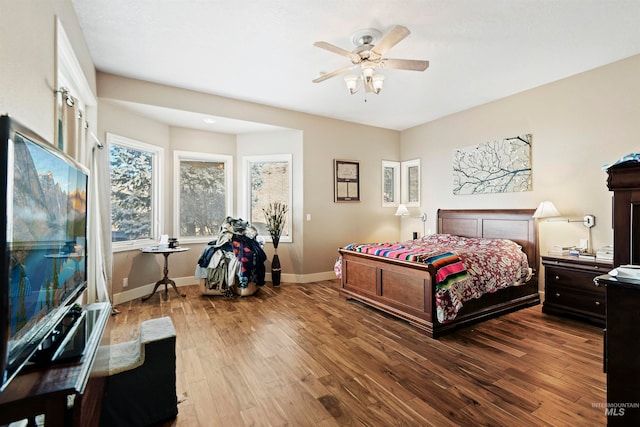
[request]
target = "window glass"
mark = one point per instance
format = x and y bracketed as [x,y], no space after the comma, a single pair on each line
[269,180]
[134,189]
[205,192]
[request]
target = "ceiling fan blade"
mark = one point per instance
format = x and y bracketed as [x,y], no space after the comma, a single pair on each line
[404,64]
[333,48]
[391,39]
[326,76]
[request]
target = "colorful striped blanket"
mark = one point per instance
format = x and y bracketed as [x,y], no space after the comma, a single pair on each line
[466,268]
[448,266]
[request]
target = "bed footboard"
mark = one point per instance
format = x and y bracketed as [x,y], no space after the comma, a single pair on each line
[402,289]
[405,290]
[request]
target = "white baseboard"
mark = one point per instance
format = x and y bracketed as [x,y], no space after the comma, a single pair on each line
[305,278]
[145,290]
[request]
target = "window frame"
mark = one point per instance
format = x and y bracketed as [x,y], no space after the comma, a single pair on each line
[395,167]
[246,190]
[157,167]
[179,156]
[408,187]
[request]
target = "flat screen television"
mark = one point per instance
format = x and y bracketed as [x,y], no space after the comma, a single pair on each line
[43,263]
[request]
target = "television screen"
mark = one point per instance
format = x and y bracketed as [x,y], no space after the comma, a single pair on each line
[43,263]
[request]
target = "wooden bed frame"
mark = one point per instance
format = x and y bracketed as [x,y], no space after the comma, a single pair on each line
[407,289]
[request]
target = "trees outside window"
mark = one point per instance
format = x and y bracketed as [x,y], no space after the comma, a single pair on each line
[205,193]
[135,190]
[268,179]
[410,182]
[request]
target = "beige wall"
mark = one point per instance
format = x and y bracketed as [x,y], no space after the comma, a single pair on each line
[335,224]
[144,269]
[278,142]
[28,60]
[312,253]
[140,269]
[578,124]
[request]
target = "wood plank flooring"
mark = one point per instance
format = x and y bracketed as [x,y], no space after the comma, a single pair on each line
[299,355]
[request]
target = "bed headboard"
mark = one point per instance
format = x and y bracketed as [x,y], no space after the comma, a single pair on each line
[513,224]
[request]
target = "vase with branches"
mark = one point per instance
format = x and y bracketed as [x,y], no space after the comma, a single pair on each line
[275,214]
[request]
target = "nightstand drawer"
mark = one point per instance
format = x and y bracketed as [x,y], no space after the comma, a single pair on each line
[573,263]
[569,287]
[575,279]
[575,300]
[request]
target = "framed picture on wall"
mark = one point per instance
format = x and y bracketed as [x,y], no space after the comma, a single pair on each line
[347,180]
[390,183]
[411,182]
[498,166]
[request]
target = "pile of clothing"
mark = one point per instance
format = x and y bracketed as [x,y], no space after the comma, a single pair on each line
[235,259]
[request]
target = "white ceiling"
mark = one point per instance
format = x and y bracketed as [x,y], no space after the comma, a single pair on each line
[262,50]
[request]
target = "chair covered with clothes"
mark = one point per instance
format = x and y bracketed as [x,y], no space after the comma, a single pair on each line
[233,263]
[140,385]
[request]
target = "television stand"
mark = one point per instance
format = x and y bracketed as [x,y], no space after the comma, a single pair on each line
[59,391]
[66,341]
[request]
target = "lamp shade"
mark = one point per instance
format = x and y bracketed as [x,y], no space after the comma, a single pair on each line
[367,72]
[402,210]
[352,83]
[378,81]
[546,209]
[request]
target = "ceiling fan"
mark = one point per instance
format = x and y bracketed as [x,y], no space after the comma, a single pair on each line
[368,55]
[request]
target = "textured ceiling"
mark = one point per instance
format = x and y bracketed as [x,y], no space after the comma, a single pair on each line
[262,50]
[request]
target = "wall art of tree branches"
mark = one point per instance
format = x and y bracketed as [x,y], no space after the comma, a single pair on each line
[493,167]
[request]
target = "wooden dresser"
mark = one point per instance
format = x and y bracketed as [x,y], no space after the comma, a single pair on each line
[622,333]
[622,351]
[624,181]
[569,288]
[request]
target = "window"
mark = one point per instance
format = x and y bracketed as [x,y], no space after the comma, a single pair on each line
[204,189]
[411,182]
[135,190]
[390,183]
[267,179]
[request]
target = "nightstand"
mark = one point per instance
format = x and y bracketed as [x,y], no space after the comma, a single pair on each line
[569,288]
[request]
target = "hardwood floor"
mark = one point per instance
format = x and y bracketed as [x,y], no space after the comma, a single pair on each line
[300,355]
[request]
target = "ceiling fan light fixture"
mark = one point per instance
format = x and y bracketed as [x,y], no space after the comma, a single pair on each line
[369,53]
[378,82]
[352,83]
[367,73]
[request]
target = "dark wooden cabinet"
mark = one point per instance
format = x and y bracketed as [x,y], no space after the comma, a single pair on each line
[622,350]
[67,393]
[569,288]
[622,333]
[624,181]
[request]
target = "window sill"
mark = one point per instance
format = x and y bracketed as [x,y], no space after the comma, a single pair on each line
[131,246]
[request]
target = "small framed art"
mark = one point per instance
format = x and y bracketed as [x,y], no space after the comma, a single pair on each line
[347,180]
